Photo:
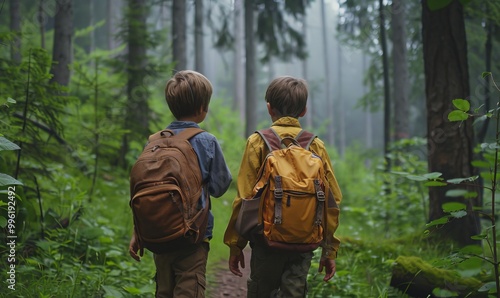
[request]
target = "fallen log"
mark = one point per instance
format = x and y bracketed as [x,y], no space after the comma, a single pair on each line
[417,278]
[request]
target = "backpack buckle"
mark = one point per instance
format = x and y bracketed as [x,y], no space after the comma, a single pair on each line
[321,195]
[277,220]
[278,193]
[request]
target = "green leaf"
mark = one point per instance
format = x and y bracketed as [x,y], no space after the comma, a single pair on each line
[7,145]
[480,164]
[434,183]
[457,116]
[8,180]
[472,249]
[439,221]
[3,222]
[416,178]
[458,214]
[10,100]
[453,206]
[479,237]
[487,286]
[437,292]
[461,104]
[480,119]
[438,4]
[454,193]
[433,175]
[485,74]
[460,180]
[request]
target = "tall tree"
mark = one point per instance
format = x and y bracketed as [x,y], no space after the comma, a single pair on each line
[310,107]
[179,34]
[449,144]
[198,37]
[250,78]
[62,48]
[15,28]
[137,108]
[238,66]
[400,71]
[41,23]
[387,100]
[326,57]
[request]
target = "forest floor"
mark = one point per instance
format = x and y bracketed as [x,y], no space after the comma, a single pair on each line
[223,283]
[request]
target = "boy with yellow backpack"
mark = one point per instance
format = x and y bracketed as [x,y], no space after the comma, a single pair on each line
[287,200]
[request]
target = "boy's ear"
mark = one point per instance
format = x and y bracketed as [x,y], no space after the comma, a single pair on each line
[270,110]
[303,112]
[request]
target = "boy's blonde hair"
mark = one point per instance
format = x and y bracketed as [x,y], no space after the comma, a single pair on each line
[186,92]
[287,96]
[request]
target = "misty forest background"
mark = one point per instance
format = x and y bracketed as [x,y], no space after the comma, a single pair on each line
[402,92]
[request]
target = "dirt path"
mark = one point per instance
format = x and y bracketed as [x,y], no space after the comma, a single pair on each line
[224,284]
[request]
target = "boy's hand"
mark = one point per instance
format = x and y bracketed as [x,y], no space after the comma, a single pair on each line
[330,268]
[235,261]
[133,248]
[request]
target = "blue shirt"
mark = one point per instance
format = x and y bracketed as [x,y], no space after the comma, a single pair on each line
[214,171]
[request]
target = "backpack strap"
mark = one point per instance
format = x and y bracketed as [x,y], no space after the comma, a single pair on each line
[305,138]
[186,134]
[271,138]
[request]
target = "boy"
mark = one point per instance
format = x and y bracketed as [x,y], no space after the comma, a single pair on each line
[278,273]
[181,273]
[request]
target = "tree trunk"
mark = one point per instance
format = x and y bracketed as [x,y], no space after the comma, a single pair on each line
[449,144]
[137,109]
[15,27]
[387,100]
[326,63]
[238,67]
[250,79]
[400,71]
[488,50]
[91,24]
[310,108]
[41,23]
[179,34]
[198,37]
[340,108]
[62,48]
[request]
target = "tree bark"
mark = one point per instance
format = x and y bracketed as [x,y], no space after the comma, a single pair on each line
[198,37]
[41,23]
[250,79]
[137,109]
[326,63]
[387,99]
[400,71]
[179,34]
[449,144]
[238,68]
[62,48]
[15,28]
[310,108]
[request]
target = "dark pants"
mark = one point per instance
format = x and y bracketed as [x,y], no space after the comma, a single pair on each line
[278,274]
[182,273]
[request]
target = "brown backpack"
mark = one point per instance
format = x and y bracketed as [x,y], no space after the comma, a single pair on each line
[165,190]
[288,202]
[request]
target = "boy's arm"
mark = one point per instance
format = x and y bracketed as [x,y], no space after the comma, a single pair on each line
[331,243]
[220,175]
[247,176]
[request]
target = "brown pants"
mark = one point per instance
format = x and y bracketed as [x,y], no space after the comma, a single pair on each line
[182,273]
[278,274]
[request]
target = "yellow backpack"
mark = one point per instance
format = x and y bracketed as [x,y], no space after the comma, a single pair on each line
[290,195]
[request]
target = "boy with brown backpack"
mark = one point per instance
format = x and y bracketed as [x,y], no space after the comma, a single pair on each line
[170,188]
[287,200]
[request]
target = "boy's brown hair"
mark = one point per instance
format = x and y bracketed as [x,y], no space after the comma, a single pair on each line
[186,92]
[287,96]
